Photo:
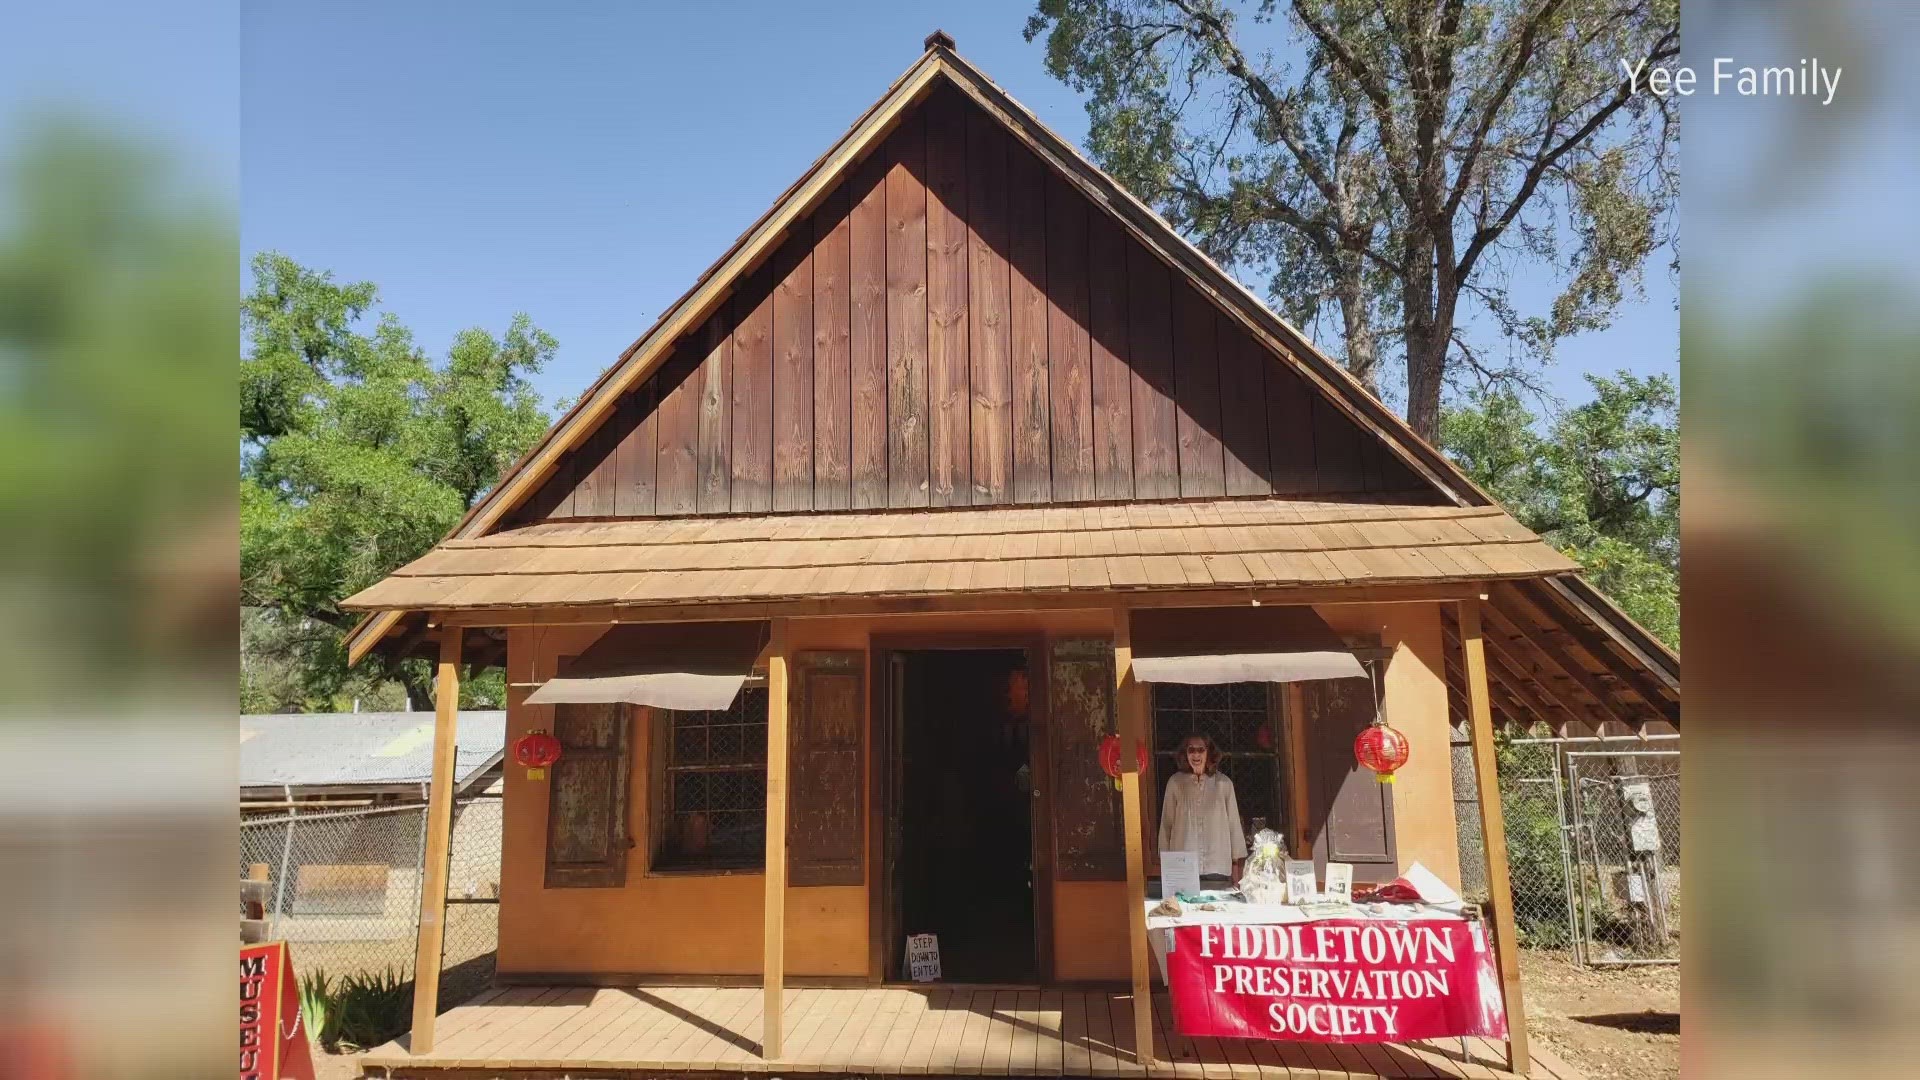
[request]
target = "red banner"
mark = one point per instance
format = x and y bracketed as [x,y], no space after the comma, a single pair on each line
[273,1044]
[1339,980]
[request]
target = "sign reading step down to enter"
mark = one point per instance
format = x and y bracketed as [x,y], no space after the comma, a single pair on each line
[923,957]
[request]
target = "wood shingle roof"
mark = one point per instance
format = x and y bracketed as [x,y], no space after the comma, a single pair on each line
[1135,546]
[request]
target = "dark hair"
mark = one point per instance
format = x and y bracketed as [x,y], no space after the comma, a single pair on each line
[1213,752]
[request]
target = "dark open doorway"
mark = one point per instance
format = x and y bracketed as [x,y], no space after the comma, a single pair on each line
[964,804]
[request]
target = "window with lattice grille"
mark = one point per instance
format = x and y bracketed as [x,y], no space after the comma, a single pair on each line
[712,809]
[1244,728]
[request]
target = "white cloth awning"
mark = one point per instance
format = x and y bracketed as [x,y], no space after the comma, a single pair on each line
[1248,667]
[1205,646]
[661,690]
[682,666]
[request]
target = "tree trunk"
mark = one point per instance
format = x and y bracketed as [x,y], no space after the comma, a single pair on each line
[415,678]
[1427,359]
[1426,373]
[1356,316]
[1425,364]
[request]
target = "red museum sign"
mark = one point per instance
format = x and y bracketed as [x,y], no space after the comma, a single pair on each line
[273,1044]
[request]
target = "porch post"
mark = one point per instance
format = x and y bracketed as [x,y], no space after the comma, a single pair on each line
[439,829]
[1493,834]
[1131,701]
[774,964]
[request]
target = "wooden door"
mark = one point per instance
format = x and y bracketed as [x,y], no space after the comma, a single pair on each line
[1042,820]
[891,723]
[1350,813]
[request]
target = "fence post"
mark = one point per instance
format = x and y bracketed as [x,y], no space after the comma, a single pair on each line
[286,856]
[1574,943]
[419,872]
[1579,856]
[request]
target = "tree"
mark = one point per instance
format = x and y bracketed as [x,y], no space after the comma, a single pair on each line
[116,286]
[1602,484]
[1394,159]
[357,455]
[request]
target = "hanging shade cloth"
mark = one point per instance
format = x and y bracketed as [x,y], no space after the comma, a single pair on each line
[1239,644]
[684,666]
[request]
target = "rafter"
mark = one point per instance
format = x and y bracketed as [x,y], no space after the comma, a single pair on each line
[1578,625]
[1504,678]
[1557,659]
[1506,658]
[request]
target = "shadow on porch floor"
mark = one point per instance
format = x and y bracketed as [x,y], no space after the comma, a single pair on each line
[583,1032]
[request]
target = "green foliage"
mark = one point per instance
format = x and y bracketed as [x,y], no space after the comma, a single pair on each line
[1533,843]
[1601,483]
[357,1011]
[316,1008]
[357,455]
[372,1009]
[1385,162]
[116,280]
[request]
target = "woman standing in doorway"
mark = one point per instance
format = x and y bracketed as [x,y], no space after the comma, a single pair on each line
[1200,813]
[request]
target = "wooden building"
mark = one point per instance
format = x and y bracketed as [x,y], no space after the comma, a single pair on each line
[831,585]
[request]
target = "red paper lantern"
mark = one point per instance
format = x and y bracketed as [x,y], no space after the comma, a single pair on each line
[1019,692]
[1110,755]
[1382,749]
[536,750]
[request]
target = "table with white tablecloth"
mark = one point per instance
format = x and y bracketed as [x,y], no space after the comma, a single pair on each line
[1237,912]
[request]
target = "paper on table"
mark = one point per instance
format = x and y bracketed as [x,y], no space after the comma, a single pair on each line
[1179,872]
[1300,888]
[1429,887]
[1339,883]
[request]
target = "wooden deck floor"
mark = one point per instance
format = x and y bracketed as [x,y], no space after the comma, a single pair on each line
[884,1031]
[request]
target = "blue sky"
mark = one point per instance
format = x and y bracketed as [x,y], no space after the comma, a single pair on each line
[585,162]
[166,73]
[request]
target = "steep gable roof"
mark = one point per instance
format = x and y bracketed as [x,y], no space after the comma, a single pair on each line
[939,65]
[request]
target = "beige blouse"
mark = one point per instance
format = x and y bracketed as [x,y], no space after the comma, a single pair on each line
[1201,814]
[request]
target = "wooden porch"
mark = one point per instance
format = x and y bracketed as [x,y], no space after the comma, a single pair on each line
[938,1030]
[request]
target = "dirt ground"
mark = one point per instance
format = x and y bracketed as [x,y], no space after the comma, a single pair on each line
[1610,1024]
[470,935]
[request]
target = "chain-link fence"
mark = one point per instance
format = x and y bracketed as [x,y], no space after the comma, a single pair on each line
[1593,846]
[345,888]
[1624,813]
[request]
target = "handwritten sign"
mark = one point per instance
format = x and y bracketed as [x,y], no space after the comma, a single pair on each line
[923,957]
[1338,980]
[273,1044]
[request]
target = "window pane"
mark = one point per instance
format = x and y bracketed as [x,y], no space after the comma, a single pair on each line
[689,744]
[717,784]
[1235,717]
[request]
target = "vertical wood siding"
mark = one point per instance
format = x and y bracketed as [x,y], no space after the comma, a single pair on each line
[949,435]
[989,314]
[867,338]
[907,313]
[956,325]
[832,355]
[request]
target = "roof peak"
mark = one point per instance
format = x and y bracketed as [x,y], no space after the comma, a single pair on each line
[938,39]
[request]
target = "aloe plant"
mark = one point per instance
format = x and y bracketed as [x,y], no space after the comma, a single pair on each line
[368,1009]
[316,1006]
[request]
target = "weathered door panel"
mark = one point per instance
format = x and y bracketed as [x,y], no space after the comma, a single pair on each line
[1351,812]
